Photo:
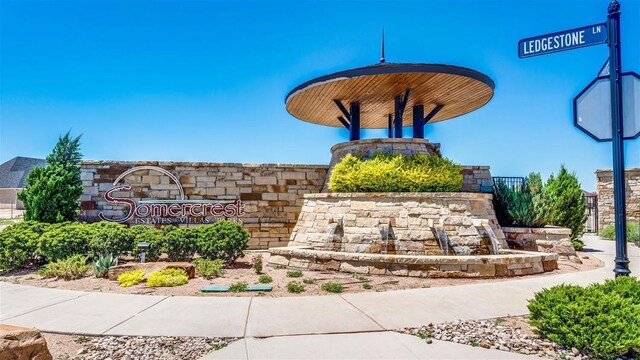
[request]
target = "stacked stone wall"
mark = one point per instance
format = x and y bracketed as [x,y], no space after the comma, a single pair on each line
[549,239]
[271,193]
[398,223]
[605,196]
[508,263]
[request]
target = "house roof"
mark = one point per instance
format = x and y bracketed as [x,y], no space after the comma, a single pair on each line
[13,173]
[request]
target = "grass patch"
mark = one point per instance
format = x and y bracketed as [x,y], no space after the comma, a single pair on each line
[209,269]
[71,268]
[294,287]
[309,281]
[633,232]
[265,279]
[367,286]
[238,287]
[294,274]
[332,287]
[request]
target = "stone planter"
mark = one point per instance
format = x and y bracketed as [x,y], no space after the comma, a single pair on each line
[399,223]
[549,239]
[475,178]
[508,264]
[405,234]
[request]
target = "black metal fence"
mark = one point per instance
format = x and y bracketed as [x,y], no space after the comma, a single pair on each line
[514,182]
[591,208]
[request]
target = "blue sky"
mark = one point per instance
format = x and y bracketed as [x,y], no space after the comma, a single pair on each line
[206,80]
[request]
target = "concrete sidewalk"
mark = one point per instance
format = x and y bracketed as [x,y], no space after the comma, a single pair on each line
[379,345]
[65,311]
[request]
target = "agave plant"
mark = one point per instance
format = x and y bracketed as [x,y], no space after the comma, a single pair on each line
[103,264]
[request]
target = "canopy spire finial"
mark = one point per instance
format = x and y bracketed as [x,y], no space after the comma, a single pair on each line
[382,50]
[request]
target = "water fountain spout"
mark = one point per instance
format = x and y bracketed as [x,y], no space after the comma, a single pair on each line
[495,244]
[443,239]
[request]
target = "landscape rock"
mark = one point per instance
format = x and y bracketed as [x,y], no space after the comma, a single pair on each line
[492,334]
[18,343]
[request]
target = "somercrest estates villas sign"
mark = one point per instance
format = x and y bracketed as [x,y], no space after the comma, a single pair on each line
[167,211]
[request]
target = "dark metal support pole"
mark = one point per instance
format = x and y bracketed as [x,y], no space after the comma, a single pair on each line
[390,126]
[418,122]
[343,110]
[398,117]
[617,133]
[432,113]
[344,122]
[354,121]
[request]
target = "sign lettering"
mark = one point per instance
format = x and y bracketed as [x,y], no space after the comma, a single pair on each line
[181,211]
[564,40]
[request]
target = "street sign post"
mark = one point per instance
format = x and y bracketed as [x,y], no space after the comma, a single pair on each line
[563,40]
[617,131]
[609,33]
[592,108]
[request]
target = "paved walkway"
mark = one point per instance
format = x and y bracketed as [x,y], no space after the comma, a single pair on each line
[117,314]
[378,345]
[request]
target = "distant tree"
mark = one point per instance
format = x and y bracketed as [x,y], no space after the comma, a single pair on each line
[52,192]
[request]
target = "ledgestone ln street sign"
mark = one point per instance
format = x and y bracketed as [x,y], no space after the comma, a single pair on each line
[563,40]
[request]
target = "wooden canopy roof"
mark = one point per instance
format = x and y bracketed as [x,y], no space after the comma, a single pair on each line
[456,90]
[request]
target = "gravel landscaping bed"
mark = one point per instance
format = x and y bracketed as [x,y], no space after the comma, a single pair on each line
[69,347]
[507,334]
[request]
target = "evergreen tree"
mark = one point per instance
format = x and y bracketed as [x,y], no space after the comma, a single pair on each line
[52,192]
[564,201]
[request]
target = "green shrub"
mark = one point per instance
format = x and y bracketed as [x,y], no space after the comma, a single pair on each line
[102,265]
[332,287]
[502,199]
[167,278]
[625,286]
[18,243]
[153,236]
[179,243]
[209,268]
[633,232]
[294,287]
[385,172]
[601,320]
[256,263]
[521,206]
[559,202]
[564,204]
[294,274]
[367,286]
[222,240]
[74,267]
[265,279]
[130,278]
[238,287]
[110,238]
[309,281]
[52,192]
[63,240]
